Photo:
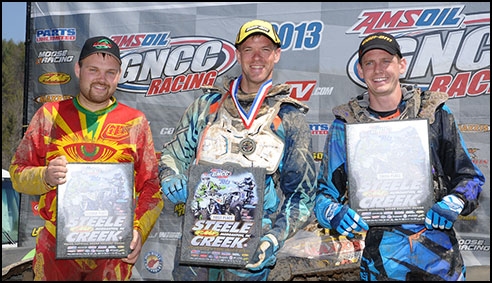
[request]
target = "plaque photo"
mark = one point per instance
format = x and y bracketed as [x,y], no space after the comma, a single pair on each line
[95,211]
[389,171]
[223,215]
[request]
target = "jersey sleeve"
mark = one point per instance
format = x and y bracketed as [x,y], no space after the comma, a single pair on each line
[332,177]
[29,162]
[178,153]
[149,199]
[462,177]
[297,178]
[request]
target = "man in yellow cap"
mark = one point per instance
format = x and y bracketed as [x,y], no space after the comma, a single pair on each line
[260,119]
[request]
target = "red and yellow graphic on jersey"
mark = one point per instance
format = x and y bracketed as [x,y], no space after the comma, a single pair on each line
[117,133]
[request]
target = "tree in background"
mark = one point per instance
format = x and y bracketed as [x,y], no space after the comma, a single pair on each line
[12,98]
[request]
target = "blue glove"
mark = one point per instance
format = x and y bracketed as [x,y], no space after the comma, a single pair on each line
[443,214]
[265,254]
[333,215]
[174,187]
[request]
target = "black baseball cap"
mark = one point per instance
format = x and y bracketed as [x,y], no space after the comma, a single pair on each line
[379,40]
[100,44]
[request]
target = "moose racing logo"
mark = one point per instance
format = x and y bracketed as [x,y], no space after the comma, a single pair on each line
[445,49]
[154,64]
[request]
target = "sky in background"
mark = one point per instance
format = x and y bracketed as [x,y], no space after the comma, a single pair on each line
[14,21]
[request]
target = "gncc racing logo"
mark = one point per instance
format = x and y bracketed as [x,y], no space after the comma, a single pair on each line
[445,49]
[155,64]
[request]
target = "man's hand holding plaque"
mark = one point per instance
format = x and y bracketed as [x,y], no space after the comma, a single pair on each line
[443,214]
[340,217]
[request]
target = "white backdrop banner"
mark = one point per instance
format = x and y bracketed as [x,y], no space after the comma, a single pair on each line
[170,50]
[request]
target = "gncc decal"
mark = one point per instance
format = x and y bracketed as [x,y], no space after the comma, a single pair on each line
[155,64]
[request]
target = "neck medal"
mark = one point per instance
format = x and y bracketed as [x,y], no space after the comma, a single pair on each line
[249,117]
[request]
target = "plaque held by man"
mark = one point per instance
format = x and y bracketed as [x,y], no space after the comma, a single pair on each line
[389,171]
[223,215]
[95,211]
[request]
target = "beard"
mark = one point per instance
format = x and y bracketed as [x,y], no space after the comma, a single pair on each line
[99,96]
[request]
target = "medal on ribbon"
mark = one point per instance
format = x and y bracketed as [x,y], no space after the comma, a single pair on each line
[247,146]
[249,117]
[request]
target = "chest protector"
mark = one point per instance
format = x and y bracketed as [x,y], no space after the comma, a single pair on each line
[227,140]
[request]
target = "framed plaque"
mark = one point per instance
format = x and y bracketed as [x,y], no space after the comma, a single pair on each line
[95,211]
[223,215]
[389,171]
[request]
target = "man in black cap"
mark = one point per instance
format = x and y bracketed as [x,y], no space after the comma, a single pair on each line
[92,127]
[419,252]
[251,123]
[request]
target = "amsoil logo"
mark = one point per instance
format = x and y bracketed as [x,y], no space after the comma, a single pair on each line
[154,64]
[406,19]
[445,49]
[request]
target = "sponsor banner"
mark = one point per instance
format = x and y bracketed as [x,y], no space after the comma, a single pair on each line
[170,50]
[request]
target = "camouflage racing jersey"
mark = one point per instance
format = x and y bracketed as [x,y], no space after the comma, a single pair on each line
[453,173]
[293,178]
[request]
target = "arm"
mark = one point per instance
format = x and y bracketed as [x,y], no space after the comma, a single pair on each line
[297,175]
[178,153]
[463,181]
[149,200]
[332,177]
[332,180]
[28,166]
[297,182]
[464,178]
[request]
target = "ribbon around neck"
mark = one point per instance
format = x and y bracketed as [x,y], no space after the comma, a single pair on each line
[249,117]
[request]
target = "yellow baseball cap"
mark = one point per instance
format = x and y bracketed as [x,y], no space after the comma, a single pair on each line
[257,26]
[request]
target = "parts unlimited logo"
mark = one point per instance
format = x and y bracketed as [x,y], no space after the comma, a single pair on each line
[155,64]
[56,35]
[445,49]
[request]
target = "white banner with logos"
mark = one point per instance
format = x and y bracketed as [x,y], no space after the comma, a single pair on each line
[170,50]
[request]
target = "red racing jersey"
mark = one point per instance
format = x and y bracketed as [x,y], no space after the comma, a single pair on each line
[117,133]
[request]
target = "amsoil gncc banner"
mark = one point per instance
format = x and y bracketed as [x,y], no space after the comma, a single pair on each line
[169,51]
